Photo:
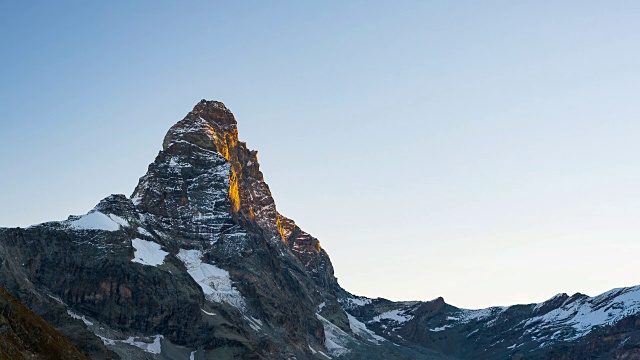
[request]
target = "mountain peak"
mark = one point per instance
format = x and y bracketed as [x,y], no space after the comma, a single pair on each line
[208,180]
[209,123]
[215,113]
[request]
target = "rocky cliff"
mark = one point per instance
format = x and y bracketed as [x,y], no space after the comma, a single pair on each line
[199,264]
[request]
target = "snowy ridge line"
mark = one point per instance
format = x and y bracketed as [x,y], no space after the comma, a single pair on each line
[561,318]
[576,317]
[580,316]
[540,305]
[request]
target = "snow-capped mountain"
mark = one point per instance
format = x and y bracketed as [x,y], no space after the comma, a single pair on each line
[526,331]
[198,264]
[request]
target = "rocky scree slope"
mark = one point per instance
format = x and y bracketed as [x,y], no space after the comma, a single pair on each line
[199,264]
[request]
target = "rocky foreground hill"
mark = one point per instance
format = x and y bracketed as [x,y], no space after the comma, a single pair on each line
[198,264]
[25,335]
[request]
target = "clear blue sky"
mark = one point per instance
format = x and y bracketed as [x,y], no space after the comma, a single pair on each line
[483,151]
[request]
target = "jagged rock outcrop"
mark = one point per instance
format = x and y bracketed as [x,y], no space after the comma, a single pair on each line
[198,263]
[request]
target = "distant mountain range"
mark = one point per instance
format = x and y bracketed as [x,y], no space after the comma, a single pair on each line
[198,264]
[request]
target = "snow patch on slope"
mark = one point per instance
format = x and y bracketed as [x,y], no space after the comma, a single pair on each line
[148,252]
[360,329]
[79,317]
[398,316]
[98,221]
[144,232]
[357,301]
[465,316]
[254,323]
[336,340]
[214,281]
[153,348]
[440,328]
[321,306]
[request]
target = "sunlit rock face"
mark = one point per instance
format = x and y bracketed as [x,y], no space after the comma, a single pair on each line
[209,185]
[199,264]
[205,190]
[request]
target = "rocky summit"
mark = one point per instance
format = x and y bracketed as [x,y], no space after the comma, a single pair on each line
[199,264]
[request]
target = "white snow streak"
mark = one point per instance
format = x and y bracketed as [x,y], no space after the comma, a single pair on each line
[440,328]
[360,329]
[144,232]
[79,317]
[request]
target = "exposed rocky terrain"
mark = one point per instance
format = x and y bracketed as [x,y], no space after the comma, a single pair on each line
[198,264]
[25,335]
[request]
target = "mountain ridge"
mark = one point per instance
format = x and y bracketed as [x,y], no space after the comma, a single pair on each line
[199,262]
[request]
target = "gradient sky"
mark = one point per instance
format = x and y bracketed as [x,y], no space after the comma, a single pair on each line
[483,151]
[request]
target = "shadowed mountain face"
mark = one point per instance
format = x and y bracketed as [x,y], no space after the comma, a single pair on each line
[199,264]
